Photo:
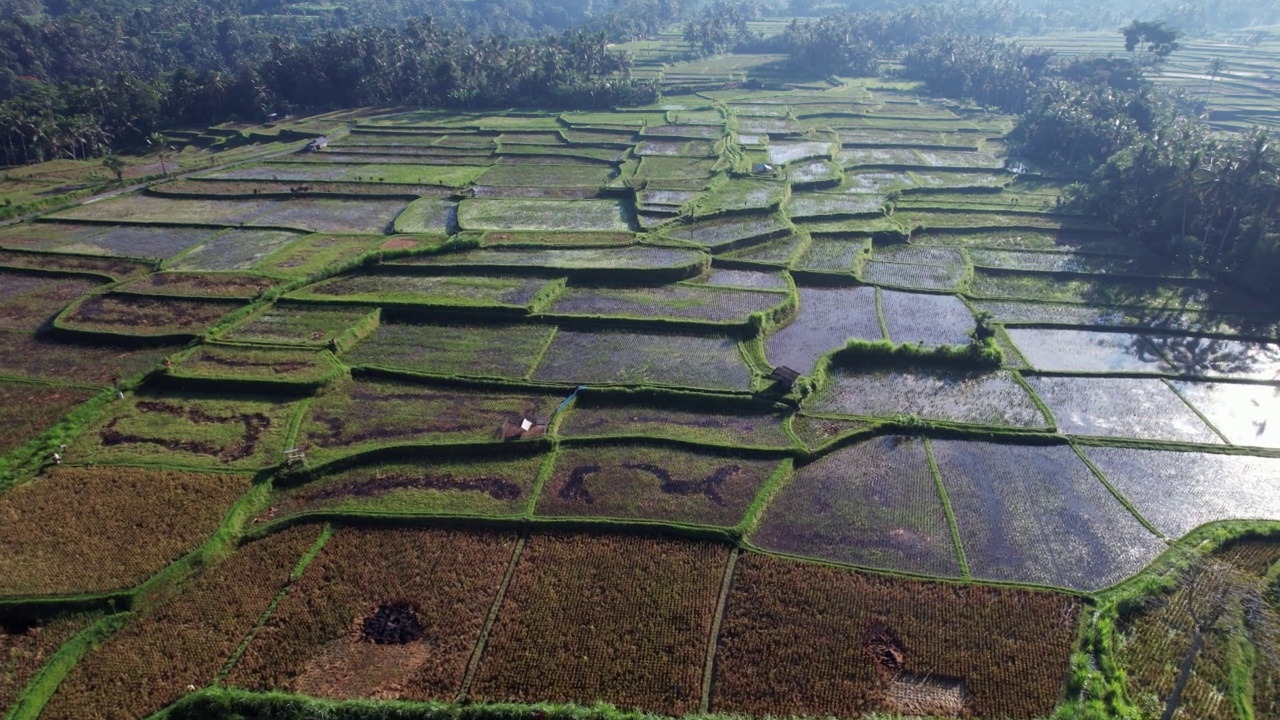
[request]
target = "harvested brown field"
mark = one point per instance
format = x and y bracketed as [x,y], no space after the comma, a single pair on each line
[25,647]
[79,530]
[37,356]
[801,639]
[27,409]
[381,613]
[150,662]
[616,619]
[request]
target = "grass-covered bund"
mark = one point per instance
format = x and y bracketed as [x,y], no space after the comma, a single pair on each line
[484,422]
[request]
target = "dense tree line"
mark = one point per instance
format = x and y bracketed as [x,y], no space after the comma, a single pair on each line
[1153,170]
[419,64]
[76,40]
[157,68]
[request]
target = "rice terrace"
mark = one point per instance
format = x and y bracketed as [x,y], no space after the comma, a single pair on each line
[775,396]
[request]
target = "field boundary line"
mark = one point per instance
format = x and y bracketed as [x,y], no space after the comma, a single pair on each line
[1196,410]
[1133,509]
[545,472]
[769,490]
[1050,420]
[249,637]
[717,620]
[41,688]
[946,507]
[537,360]
[884,326]
[473,664]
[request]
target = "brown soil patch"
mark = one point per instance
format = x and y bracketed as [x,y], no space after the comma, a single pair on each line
[351,668]
[928,696]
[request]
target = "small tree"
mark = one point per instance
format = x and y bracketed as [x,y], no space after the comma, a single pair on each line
[1152,40]
[158,143]
[115,164]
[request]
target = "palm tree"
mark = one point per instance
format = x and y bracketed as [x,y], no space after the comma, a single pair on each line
[158,142]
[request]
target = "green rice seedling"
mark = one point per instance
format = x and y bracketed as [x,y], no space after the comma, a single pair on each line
[829,254]
[443,290]
[235,285]
[428,215]
[544,175]
[124,315]
[816,432]
[926,319]
[773,252]
[364,416]
[188,430]
[597,419]
[315,255]
[681,302]
[613,263]
[305,325]
[831,205]
[653,483]
[151,209]
[27,301]
[544,215]
[743,194]
[617,119]
[47,235]
[232,250]
[240,366]
[503,351]
[618,358]
[726,232]
[488,486]
[657,168]
[557,239]
[914,277]
[958,180]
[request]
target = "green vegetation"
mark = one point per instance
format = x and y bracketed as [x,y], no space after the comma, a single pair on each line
[778,393]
